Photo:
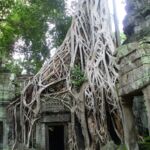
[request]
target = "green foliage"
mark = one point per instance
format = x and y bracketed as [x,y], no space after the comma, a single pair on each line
[145,145]
[77,76]
[5,8]
[14,67]
[28,20]
[57,32]
[122,147]
[122,37]
[147,139]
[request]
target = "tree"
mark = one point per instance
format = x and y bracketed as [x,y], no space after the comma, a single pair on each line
[28,22]
[5,8]
[82,71]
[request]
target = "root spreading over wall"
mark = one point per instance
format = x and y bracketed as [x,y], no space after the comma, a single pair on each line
[83,71]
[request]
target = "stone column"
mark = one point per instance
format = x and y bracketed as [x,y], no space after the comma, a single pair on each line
[130,133]
[5,136]
[41,136]
[146,92]
[66,137]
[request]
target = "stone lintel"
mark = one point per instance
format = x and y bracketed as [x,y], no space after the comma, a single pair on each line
[142,46]
[134,87]
[56,118]
[53,106]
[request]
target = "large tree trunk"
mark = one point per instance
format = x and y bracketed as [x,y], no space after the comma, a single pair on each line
[84,69]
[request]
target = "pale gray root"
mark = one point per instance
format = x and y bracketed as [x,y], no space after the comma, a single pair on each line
[88,44]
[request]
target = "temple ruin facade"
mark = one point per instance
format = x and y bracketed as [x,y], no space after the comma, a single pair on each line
[133,56]
[134,59]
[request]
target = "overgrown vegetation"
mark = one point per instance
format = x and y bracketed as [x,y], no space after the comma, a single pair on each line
[145,144]
[25,30]
[88,45]
[77,76]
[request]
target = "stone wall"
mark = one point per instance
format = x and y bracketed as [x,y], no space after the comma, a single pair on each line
[7,88]
[140,114]
[137,21]
[134,60]
[7,92]
[134,73]
[10,87]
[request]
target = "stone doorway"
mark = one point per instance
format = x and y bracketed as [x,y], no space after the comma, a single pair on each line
[55,137]
[1,135]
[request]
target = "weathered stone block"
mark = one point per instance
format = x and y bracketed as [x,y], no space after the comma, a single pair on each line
[56,117]
[134,75]
[134,86]
[134,60]
[53,105]
[7,89]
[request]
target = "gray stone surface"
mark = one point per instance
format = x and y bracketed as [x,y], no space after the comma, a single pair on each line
[130,132]
[7,88]
[134,60]
[56,117]
[7,92]
[134,73]
[5,130]
[140,113]
[53,105]
[146,92]
[137,20]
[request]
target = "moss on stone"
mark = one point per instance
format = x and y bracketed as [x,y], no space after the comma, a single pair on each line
[122,147]
[146,144]
[145,60]
[140,44]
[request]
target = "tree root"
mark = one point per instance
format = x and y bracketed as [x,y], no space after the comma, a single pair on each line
[88,44]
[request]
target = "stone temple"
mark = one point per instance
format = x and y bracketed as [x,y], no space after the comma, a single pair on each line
[133,56]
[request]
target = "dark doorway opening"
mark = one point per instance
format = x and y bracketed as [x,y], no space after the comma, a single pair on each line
[56,137]
[1,135]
